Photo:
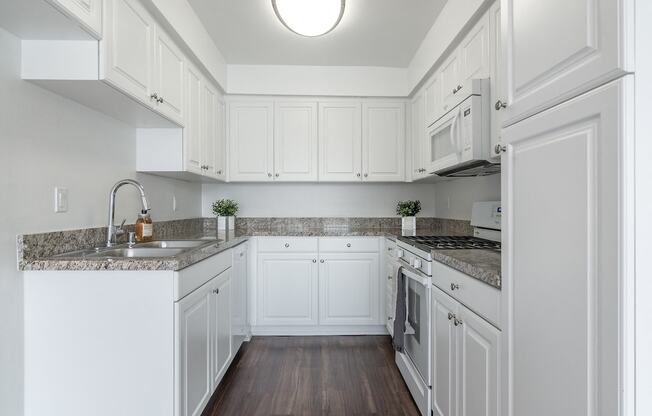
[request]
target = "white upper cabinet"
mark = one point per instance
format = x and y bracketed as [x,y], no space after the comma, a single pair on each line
[209,128]
[295,141]
[192,133]
[418,135]
[433,99]
[340,141]
[383,141]
[557,49]
[450,82]
[349,289]
[251,141]
[567,313]
[220,155]
[169,77]
[88,12]
[474,52]
[128,47]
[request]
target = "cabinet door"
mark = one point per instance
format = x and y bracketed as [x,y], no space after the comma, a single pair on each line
[88,12]
[383,142]
[128,48]
[220,141]
[418,136]
[295,141]
[443,359]
[349,289]
[251,141]
[555,50]
[192,131]
[240,328]
[209,128]
[221,336]
[169,74]
[434,107]
[566,312]
[340,141]
[390,294]
[477,352]
[192,316]
[474,53]
[449,79]
[287,289]
[497,77]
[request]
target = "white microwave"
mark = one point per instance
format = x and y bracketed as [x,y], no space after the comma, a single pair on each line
[459,142]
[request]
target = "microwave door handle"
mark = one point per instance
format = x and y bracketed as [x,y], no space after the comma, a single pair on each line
[453,130]
[458,139]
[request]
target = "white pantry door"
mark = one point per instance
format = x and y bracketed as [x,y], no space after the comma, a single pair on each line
[340,141]
[557,49]
[562,255]
[295,141]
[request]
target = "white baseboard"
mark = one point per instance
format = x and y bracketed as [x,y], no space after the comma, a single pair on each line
[319,330]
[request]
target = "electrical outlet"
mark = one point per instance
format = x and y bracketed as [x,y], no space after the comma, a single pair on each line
[174,203]
[60,199]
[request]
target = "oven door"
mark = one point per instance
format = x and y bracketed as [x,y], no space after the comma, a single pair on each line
[417,334]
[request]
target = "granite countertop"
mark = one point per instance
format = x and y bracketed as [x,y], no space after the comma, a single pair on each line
[39,251]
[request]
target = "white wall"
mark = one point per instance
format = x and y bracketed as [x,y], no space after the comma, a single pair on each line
[47,141]
[353,199]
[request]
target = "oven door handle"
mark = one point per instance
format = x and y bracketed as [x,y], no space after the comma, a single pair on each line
[413,274]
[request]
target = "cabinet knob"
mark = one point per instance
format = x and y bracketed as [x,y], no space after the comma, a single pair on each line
[287,245]
[366,174]
[321,261]
[242,254]
[498,149]
[500,105]
[389,277]
[314,260]
[348,244]
[389,318]
[160,100]
[277,175]
[216,291]
[457,322]
[153,96]
[454,286]
[219,172]
[450,316]
[357,174]
[269,175]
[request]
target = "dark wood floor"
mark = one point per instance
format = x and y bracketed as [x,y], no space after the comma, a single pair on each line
[343,375]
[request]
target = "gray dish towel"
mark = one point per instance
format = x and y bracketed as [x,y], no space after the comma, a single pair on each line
[399,317]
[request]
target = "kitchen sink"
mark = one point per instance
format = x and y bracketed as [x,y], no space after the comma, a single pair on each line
[175,243]
[138,252]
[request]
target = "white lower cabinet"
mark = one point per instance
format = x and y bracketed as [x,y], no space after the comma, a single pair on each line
[464,360]
[240,327]
[348,289]
[193,323]
[287,289]
[220,326]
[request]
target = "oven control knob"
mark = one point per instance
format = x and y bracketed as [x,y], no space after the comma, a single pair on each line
[417,263]
[400,253]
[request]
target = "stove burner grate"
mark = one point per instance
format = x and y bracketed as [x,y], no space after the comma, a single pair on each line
[453,242]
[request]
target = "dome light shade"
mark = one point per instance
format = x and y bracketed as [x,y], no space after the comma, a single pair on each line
[309,17]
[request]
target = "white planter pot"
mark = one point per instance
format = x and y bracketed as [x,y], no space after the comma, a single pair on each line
[222,223]
[409,223]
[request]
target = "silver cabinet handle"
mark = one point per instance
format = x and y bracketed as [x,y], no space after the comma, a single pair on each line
[348,244]
[454,286]
[321,261]
[242,254]
[154,96]
[269,175]
[457,322]
[366,174]
[277,175]
[389,318]
[500,149]
[219,172]
[216,291]
[450,316]
[314,260]
[287,245]
[160,100]
[500,105]
[357,174]
[389,277]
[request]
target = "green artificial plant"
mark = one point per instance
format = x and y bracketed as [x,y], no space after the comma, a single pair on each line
[225,207]
[408,208]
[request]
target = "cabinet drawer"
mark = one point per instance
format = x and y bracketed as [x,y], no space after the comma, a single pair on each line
[288,244]
[349,244]
[192,277]
[474,294]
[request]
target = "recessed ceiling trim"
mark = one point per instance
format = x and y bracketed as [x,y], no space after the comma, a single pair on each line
[289,25]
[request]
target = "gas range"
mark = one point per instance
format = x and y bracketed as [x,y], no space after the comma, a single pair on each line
[451,242]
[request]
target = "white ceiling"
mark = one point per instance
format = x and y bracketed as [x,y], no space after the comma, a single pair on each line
[371,33]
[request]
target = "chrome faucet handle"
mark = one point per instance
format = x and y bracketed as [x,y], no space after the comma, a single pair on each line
[119,230]
[131,240]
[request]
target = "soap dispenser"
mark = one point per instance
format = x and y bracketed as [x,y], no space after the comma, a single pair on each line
[144,227]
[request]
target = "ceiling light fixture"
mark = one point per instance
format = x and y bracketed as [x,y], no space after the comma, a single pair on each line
[309,17]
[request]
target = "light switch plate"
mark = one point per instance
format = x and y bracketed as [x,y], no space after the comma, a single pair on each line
[60,199]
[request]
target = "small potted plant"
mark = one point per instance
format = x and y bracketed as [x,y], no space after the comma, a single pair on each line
[407,210]
[225,210]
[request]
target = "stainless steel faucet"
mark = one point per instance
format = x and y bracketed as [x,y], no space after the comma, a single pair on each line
[112,231]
